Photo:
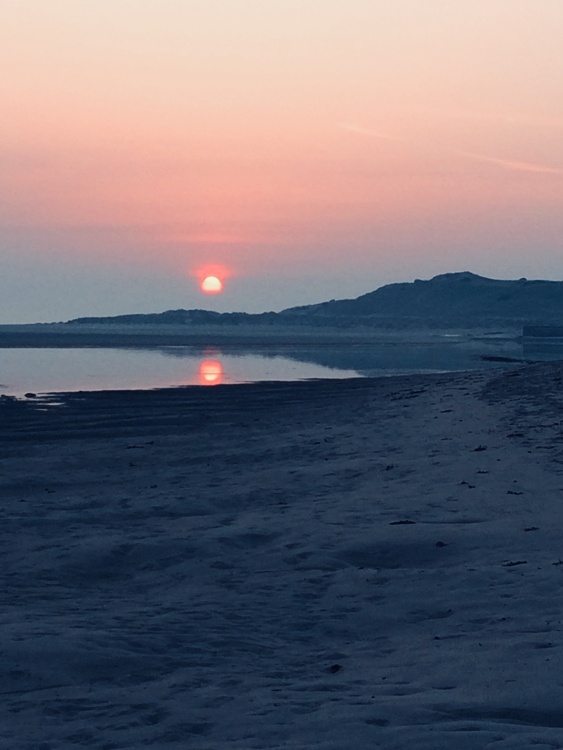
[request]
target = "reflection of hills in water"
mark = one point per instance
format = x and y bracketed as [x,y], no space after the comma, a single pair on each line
[399,357]
[400,354]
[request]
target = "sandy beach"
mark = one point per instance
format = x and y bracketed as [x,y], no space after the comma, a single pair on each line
[371,563]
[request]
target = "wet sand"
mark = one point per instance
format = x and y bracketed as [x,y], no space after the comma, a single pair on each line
[333,564]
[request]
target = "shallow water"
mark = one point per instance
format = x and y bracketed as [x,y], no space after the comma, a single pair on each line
[51,370]
[43,370]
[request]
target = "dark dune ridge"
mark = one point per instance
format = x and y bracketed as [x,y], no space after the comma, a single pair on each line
[450,300]
[323,565]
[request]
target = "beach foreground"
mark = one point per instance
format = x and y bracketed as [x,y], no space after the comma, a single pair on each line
[336,564]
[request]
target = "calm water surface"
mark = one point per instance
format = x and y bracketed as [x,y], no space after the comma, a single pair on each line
[52,370]
[44,370]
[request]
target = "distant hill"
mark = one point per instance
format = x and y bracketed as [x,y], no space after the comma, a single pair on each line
[181,317]
[449,300]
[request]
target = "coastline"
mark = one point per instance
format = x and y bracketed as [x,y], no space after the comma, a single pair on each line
[331,564]
[233,337]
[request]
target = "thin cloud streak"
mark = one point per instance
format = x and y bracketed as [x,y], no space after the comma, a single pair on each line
[519,166]
[513,164]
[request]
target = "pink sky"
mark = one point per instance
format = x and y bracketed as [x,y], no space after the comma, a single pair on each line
[316,149]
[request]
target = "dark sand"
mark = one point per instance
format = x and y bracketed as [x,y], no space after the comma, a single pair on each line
[339,564]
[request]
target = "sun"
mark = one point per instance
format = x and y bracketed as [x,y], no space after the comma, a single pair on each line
[212,277]
[211,285]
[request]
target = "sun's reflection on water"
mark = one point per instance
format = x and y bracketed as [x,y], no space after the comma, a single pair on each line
[210,372]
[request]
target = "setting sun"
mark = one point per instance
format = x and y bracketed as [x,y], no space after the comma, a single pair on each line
[212,285]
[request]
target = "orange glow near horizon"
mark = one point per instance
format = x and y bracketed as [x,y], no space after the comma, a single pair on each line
[210,372]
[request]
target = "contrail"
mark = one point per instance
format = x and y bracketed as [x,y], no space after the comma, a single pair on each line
[503,117]
[520,166]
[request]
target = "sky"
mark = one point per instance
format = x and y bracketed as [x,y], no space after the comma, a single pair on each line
[301,150]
